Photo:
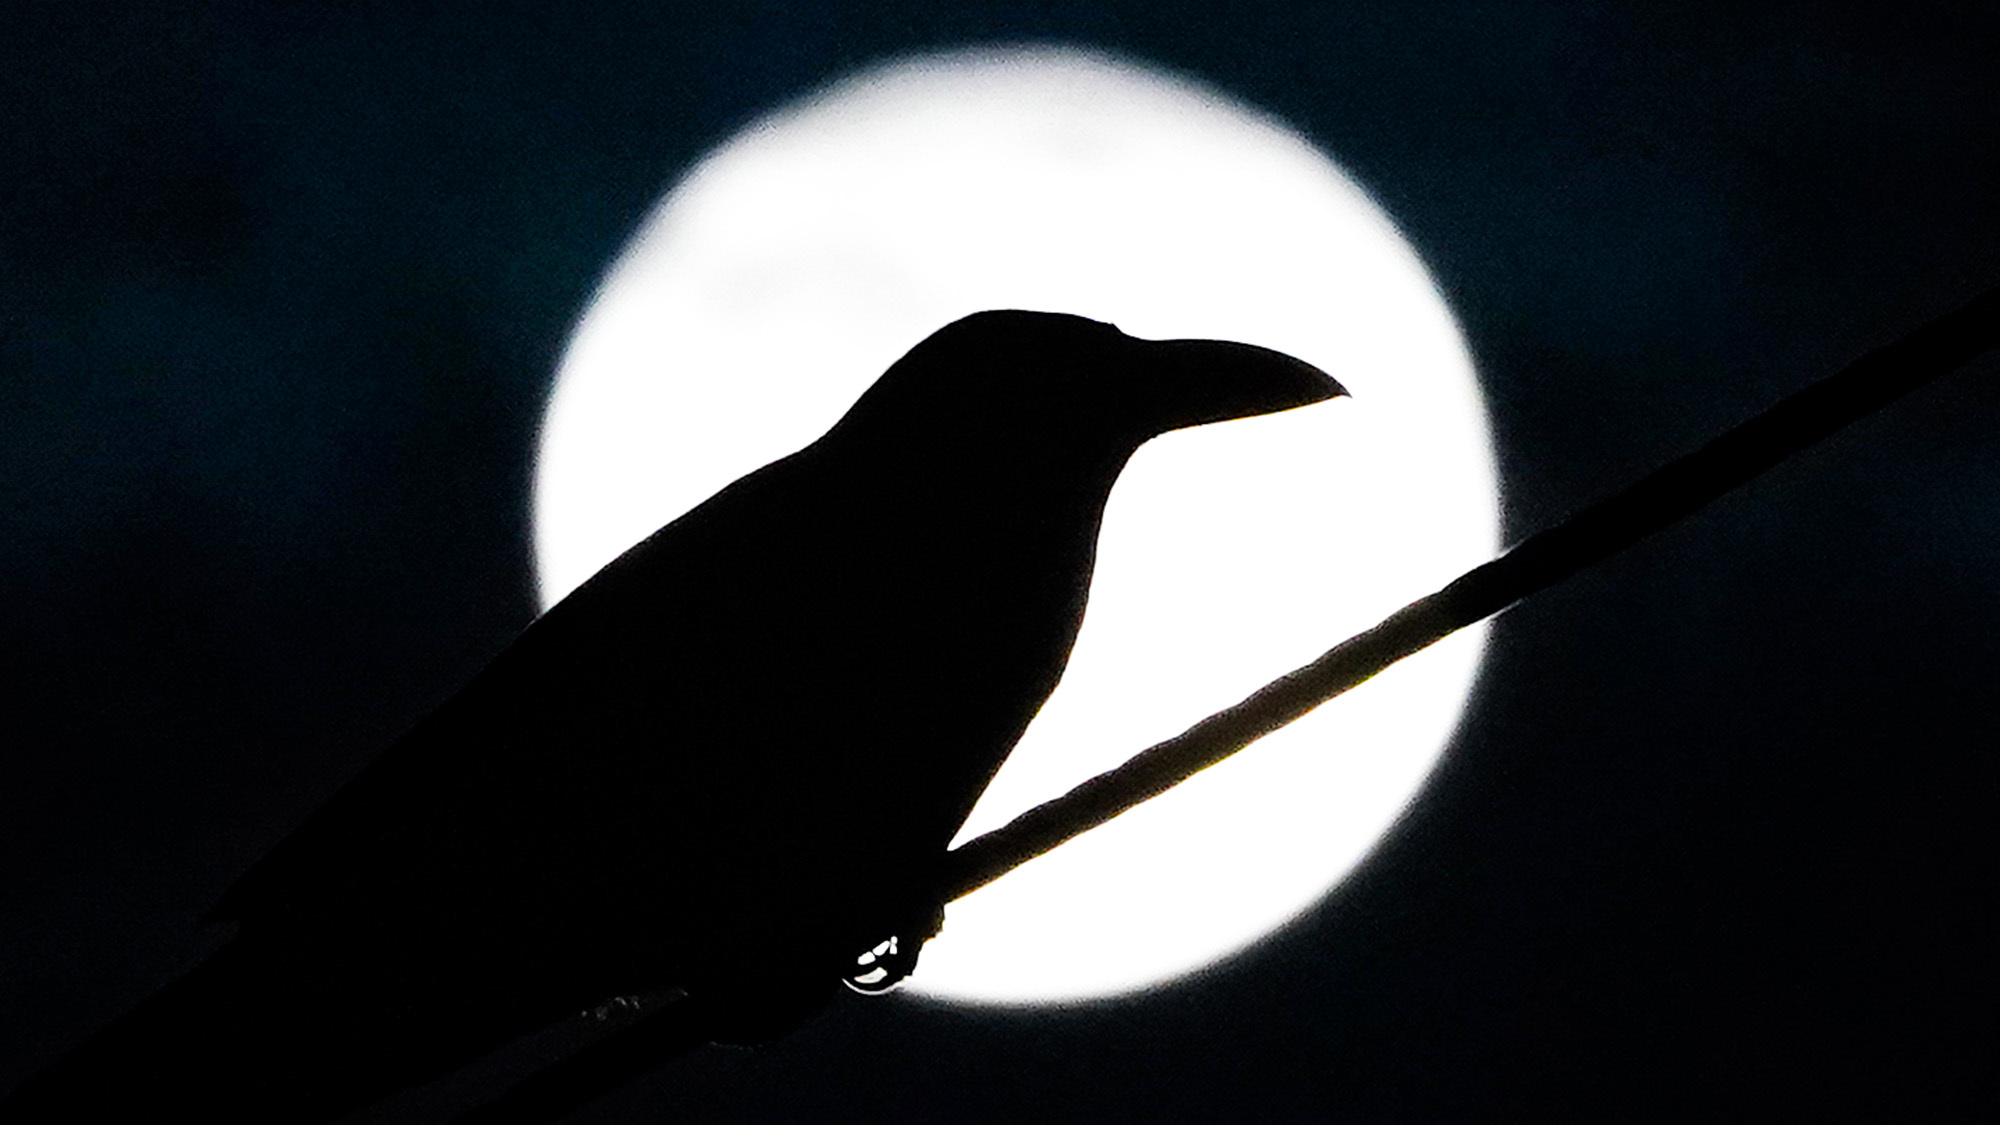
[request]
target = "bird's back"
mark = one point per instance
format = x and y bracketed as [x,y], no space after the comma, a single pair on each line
[771,711]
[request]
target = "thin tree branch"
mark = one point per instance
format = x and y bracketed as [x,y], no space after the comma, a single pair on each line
[667,1027]
[1603,529]
[651,1030]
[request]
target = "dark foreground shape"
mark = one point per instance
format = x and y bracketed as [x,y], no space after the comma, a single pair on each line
[1666,495]
[1663,497]
[728,763]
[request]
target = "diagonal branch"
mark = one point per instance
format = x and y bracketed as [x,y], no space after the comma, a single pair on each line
[667,1027]
[1678,489]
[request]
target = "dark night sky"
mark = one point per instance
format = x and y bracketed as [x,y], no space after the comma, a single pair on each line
[281,291]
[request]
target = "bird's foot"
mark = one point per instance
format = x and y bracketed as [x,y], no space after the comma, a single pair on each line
[890,962]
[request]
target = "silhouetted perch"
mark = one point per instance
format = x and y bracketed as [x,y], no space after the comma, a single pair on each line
[1603,529]
[1679,489]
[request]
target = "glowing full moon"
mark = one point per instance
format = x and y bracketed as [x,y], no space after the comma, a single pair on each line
[799,259]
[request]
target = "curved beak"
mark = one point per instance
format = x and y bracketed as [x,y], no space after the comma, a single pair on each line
[1201,381]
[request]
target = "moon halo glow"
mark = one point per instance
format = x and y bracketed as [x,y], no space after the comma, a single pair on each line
[793,263]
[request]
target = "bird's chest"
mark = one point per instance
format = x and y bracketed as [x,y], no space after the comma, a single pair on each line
[892,667]
[956,620]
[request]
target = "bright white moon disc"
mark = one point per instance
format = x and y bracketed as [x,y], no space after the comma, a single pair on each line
[799,259]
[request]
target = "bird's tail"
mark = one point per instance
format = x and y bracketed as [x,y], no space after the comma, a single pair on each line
[211,1047]
[255,1036]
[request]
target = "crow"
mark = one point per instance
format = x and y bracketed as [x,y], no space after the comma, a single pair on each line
[728,763]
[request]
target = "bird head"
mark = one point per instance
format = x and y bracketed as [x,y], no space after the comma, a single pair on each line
[1052,380]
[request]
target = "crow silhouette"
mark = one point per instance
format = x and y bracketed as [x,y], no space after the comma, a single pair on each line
[729,762]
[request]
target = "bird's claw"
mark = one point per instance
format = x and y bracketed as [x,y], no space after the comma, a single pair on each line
[883,967]
[890,962]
